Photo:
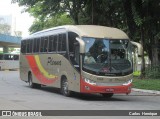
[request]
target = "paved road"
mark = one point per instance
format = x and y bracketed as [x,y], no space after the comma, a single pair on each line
[17,95]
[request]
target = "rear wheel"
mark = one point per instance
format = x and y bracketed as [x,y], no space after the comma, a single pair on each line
[64,88]
[107,95]
[31,84]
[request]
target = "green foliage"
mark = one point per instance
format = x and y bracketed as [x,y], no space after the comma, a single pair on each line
[153,72]
[57,20]
[138,18]
[5,29]
[136,73]
[147,84]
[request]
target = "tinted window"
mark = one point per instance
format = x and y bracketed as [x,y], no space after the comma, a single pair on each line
[35,45]
[28,47]
[38,44]
[8,57]
[50,47]
[55,43]
[23,46]
[1,56]
[62,42]
[16,57]
[42,45]
[46,44]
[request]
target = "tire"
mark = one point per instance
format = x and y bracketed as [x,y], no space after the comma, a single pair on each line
[107,95]
[64,88]
[31,84]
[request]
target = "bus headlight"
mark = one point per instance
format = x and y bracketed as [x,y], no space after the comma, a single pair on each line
[89,81]
[128,82]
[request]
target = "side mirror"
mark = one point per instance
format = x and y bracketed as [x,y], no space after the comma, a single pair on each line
[139,46]
[81,44]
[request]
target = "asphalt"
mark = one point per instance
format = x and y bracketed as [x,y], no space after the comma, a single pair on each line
[146,91]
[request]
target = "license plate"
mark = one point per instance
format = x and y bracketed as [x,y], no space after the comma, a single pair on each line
[110,90]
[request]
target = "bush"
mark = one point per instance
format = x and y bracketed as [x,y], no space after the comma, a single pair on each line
[136,73]
[152,72]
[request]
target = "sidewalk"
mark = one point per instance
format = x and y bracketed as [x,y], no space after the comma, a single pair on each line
[146,91]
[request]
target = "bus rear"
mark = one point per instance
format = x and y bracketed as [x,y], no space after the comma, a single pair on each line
[9,61]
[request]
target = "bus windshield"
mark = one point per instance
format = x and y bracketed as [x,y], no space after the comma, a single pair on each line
[108,57]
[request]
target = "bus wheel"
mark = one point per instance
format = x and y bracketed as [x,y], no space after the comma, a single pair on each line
[31,84]
[64,88]
[107,95]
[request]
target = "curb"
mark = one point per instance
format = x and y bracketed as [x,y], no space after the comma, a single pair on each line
[146,91]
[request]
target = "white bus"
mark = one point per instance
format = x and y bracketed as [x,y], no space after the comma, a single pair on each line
[9,61]
[80,58]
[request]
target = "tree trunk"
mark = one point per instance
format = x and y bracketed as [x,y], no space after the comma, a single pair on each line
[155,58]
[129,16]
[143,60]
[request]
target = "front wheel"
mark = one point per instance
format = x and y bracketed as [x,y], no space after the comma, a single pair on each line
[31,84]
[64,88]
[107,95]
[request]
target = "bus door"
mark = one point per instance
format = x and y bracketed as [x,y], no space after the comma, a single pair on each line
[74,73]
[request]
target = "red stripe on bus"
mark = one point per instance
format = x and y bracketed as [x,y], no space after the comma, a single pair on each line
[36,71]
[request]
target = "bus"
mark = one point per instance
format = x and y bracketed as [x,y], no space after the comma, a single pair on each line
[79,58]
[9,61]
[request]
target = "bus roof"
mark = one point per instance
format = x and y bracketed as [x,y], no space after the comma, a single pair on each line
[84,31]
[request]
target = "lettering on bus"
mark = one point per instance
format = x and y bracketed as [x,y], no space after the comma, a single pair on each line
[52,62]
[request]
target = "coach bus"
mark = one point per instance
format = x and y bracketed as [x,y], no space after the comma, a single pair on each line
[79,58]
[9,61]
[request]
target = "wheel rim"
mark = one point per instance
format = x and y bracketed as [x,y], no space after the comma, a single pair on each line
[65,87]
[30,80]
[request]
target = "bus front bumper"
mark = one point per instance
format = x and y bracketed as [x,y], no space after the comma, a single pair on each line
[89,88]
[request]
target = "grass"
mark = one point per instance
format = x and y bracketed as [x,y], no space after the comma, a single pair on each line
[136,73]
[148,84]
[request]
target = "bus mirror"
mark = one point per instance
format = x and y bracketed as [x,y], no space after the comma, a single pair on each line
[81,44]
[139,46]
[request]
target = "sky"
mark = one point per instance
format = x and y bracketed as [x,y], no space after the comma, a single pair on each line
[20,21]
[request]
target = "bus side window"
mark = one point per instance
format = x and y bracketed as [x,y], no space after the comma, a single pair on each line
[38,45]
[35,45]
[45,44]
[23,46]
[62,42]
[54,46]
[50,43]
[60,37]
[7,57]
[1,56]
[73,53]
[31,46]
[27,43]
[16,57]
[42,44]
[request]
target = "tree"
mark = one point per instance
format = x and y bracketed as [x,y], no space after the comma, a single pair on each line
[4,28]
[49,8]
[57,20]
[140,19]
